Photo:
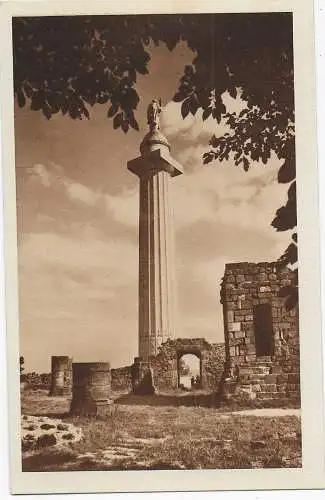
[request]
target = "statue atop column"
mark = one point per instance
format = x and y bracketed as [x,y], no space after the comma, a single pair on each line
[153,112]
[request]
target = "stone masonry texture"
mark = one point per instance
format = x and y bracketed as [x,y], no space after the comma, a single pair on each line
[261,335]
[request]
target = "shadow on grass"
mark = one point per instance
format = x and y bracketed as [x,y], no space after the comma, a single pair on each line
[48,460]
[206,400]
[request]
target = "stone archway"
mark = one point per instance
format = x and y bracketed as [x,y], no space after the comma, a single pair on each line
[165,365]
[192,352]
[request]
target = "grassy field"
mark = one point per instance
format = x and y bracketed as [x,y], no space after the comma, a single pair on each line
[140,434]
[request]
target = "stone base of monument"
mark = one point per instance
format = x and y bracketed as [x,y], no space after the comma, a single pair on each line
[142,378]
[91,389]
[90,408]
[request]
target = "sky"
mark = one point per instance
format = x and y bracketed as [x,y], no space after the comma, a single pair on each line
[77,213]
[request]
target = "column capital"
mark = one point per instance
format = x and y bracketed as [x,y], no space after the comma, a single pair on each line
[153,162]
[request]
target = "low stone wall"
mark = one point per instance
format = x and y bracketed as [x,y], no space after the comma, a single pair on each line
[36,381]
[121,379]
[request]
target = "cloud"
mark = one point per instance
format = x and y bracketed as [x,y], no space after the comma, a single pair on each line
[90,257]
[190,128]
[193,127]
[225,194]
[124,208]
[77,292]
[66,205]
[42,173]
[79,192]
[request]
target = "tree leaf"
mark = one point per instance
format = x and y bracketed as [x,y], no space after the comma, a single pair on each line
[193,104]
[287,171]
[125,126]
[290,255]
[179,96]
[21,98]
[117,122]
[232,92]
[112,110]
[208,157]
[134,124]
[47,110]
[185,109]
[206,113]
[37,101]
[245,164]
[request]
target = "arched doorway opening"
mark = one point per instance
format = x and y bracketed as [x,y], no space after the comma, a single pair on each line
[189,370]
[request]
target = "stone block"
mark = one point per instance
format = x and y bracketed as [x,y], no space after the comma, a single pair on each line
[249,317]
[293,387]
[282,379]
[247,325]
[285,282]
[262,276]
[264,301]
[294,378]
[270,379]
[250,357]
[234,327]
[239,335]
[230,316]
[270,388]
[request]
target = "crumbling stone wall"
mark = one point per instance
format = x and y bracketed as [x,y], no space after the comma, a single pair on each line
[121,378]
[165,366]
[37,381]
[245,286]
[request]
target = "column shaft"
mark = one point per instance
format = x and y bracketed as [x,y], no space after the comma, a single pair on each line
[156,287]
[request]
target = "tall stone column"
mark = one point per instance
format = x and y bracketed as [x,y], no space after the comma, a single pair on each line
[155,167]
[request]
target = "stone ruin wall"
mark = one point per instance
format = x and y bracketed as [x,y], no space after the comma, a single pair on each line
[246,285]
[121,379]
[165,364]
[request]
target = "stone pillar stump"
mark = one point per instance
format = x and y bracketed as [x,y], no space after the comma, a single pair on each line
[91,389]
[61,370]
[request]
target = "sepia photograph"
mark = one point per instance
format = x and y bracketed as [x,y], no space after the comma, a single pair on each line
[158,242]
